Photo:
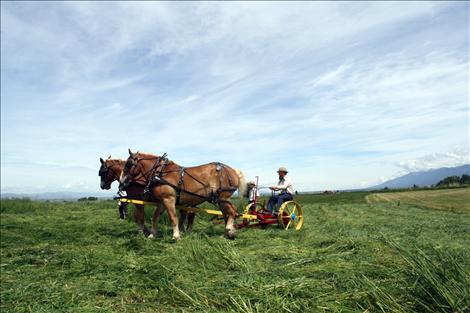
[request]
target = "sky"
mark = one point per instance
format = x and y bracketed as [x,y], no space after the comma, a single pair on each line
[345,95]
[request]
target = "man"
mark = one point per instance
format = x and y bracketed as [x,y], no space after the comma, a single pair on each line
[284,186]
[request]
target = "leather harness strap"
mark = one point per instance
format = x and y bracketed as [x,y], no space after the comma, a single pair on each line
[163,181]
[158,179]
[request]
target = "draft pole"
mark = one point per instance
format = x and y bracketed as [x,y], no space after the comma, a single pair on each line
[256,192]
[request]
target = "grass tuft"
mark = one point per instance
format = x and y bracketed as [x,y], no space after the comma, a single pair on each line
[432,281]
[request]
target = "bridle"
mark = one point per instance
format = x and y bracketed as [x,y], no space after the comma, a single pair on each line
[103,171]
[160,163]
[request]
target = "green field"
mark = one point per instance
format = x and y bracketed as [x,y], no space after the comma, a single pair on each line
[354,254]
[457,199]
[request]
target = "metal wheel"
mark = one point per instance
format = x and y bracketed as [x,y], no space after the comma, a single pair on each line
[249,208]
[290,215]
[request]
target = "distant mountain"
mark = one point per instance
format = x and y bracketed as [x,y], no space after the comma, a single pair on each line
[57,195]
[424,178]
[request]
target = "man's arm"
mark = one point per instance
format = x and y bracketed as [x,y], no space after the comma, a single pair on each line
[283,186]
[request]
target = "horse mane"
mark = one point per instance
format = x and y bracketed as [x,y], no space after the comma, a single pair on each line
[114,161]
[120,161]
[146,155]
[150,155]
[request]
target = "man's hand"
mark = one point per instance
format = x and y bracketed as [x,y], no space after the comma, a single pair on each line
[273,188]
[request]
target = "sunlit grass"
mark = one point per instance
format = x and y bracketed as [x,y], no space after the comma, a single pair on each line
[351,256]
[457,199]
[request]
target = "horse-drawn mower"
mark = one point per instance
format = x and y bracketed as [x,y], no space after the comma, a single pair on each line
[174,187]
[255,214]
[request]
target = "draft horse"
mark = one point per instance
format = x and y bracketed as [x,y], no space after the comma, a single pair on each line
[173,185]
[110,171]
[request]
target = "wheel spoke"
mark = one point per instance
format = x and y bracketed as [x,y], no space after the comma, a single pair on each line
[295,211]
[288,224]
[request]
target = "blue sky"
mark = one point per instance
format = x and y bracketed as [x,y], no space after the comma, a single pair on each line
[345,95]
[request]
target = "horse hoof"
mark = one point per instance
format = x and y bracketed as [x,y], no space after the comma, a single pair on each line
[176,238]
[150,236]
[230,234]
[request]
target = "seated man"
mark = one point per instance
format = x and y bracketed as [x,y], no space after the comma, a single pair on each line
[286,191]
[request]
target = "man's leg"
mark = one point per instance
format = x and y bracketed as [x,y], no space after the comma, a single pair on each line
[272,202]
[283,197]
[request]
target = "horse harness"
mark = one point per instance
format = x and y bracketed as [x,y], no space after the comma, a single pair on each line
[159,170]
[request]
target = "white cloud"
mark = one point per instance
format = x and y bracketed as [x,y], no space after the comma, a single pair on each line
[452,158]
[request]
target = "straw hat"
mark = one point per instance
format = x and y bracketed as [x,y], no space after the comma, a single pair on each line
[282,169]
[251,183]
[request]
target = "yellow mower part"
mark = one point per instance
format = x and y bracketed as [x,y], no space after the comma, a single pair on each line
[189,209]
[290,215]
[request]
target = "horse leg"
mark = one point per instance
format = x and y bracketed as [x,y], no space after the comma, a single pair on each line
[230,213]
[183,215]
[191,216]
[139,215]
[169,204]
[156,217]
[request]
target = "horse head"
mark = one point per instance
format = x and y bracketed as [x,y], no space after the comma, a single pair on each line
[109,172]
[137,169]
[130,170]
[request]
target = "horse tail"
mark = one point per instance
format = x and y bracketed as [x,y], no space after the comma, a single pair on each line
[242,187]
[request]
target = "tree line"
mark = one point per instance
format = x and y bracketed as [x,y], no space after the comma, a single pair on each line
[454,181]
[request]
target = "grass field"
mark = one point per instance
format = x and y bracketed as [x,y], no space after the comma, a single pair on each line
[442,199]
[356,253]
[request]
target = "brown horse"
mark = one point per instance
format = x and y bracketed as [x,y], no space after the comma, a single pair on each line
[109,172]
[172,185]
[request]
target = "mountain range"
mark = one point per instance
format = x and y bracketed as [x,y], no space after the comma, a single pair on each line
[424,178]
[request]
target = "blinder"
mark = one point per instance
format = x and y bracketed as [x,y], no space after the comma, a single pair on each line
[103,170]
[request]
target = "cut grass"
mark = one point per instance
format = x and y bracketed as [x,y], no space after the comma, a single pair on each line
[457,200]
[351,256]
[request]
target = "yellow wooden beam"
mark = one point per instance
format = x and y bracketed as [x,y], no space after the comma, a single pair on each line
[189,209]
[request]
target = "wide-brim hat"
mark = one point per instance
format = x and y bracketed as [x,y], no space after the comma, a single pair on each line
[282,169]
[251,183]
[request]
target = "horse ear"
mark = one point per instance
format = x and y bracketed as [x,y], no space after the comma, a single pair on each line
[102,161]
[130,152]
[109,157]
